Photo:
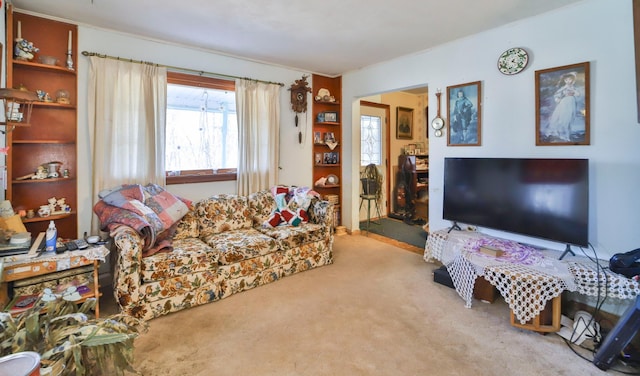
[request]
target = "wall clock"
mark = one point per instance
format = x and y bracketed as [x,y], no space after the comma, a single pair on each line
[299,90]
[513,61]
[437,123]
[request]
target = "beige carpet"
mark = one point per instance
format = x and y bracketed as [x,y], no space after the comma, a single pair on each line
[375,311]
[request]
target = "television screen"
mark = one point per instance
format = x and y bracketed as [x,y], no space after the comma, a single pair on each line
[543,198]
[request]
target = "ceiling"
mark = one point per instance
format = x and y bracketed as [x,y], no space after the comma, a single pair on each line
[329,37]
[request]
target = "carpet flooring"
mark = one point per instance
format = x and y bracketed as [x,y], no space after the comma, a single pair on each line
[396,229]
[375,311]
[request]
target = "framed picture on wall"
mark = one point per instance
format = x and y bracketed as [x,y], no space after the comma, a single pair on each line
[562,105]
[404,123]
[465,109]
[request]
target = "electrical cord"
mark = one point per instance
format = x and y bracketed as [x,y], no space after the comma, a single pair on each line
[597,338]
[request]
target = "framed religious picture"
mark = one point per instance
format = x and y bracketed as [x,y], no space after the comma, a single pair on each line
[465,109]
[562,105]
[404,123]
[317,138]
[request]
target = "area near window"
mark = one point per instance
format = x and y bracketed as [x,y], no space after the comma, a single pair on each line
[370,140]
[201,129]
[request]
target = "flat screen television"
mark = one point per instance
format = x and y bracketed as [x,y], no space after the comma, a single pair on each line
[542,198]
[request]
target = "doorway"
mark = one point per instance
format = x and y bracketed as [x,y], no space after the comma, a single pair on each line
[393,148]
[374,123]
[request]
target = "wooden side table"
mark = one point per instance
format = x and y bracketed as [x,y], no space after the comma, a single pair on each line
[20,268]
[547,321]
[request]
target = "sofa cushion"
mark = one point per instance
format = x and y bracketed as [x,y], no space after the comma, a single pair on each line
[187,227]
[189,255]
[237,245]
[291,237]
[262,205]
[223,213]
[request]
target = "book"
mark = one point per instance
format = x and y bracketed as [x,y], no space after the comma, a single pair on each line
[491,251]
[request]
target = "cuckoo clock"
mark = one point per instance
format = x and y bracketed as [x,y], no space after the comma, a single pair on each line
[299,91]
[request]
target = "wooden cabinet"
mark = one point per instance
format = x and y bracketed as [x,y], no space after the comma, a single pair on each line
[411,190]
[52,133]
[327,139]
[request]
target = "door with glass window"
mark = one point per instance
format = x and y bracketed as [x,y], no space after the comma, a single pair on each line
[374,130]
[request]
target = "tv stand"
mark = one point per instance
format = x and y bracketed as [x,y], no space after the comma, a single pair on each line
[566,250]
[454,226]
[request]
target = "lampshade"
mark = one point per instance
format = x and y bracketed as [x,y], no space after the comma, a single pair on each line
[17,107]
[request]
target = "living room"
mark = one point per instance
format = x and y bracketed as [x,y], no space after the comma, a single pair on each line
[508,107]
[596,31]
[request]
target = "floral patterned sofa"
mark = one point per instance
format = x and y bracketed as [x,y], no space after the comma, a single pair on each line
[221,247]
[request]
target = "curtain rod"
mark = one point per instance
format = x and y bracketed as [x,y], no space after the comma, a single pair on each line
[85,53]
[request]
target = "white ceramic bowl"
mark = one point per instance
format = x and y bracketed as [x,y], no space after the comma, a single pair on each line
[48,60]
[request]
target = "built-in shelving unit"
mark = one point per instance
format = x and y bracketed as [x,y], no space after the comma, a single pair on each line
[52,133]
[327,140]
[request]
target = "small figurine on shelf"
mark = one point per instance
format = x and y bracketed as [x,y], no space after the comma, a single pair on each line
[25,50]
[52,204]
[41,173]
[43,96]
[62,205]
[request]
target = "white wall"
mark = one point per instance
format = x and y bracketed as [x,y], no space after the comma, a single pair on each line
[598,31]
[295,160]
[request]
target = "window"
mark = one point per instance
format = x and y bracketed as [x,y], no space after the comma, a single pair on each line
[370,140]
[201,129]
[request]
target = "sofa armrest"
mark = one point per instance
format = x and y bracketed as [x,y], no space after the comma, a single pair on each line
[321,212]
[127,277]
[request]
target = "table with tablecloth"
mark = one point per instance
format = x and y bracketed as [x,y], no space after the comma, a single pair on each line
[526,276]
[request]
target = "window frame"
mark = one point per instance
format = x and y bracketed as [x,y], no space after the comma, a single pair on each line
[207,175]
[380,143]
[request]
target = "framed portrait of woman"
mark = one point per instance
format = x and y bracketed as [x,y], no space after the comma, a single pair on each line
[562,105]
[404,123]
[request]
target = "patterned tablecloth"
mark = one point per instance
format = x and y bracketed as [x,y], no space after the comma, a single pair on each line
[527,277]
[93,252]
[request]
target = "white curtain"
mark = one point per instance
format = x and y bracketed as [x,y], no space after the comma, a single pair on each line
[127,110]
[258,110]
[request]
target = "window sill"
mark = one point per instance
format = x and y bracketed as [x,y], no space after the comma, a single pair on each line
[197,178]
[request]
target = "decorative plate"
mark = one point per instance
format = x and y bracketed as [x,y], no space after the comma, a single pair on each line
[324,92]
[332,179]
[513,61]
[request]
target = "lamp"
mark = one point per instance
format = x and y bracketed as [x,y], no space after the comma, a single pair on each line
[17,108]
